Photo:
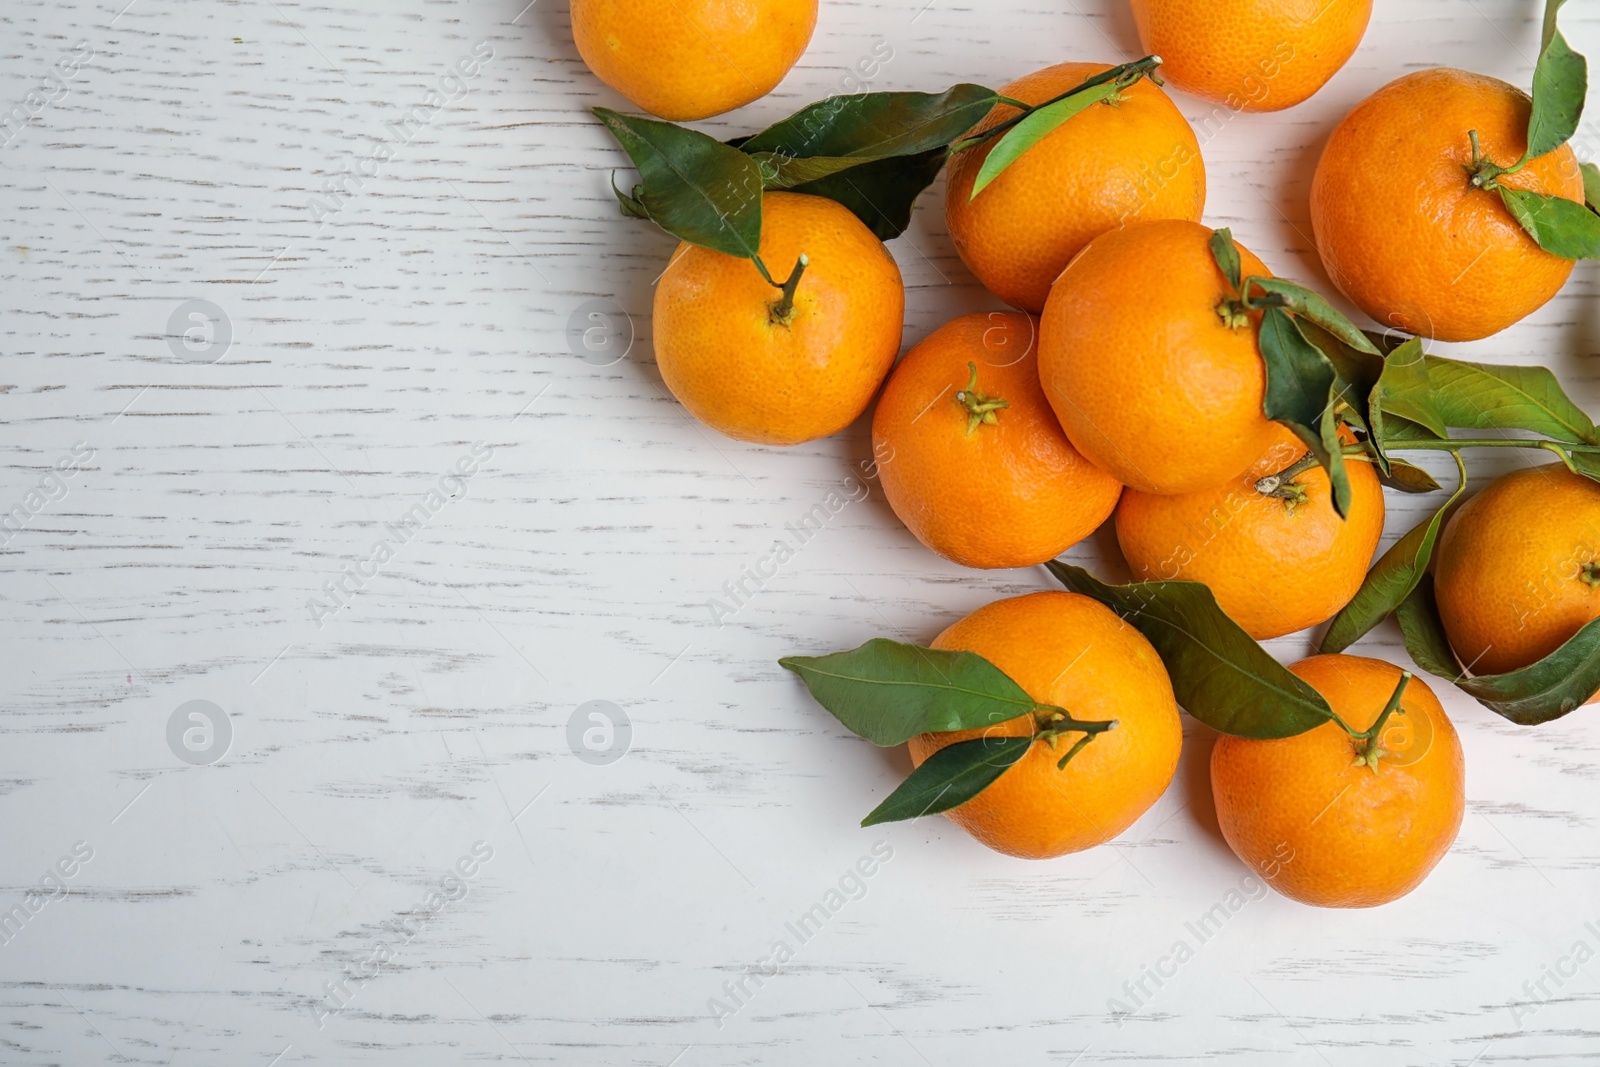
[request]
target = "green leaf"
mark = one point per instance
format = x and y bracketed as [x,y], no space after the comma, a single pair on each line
[785,172]
[876,125]
[1406,389]
[693,186]
[950,777]
[1301,384]
[1219,674]
[1039,124]
[1303,302]
[1329,450]
[1586,464]
[1560,82]
[1560,226]
[1426,642]
[631,206]
[1408,478]
[1391,579]
[1358,374]
[1397,431]
[1484,396]
[1226,253]
[1538,693]
[882,193]
[889,692]
[1385,341]
[1591,185]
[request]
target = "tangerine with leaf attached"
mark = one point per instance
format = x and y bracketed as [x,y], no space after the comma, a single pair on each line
[1069,652]
[1153,377]
[1405,213]
[781,367]
[1271,547]
[1342,821]
[1130,157]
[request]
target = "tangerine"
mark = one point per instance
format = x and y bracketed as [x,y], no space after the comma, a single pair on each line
[1277,561]
[1131,157]
[1070,652]
[1401,175]
[747,366]
[1149,379]
[1338,822]
[975,463]
[691,59]
[1517,571]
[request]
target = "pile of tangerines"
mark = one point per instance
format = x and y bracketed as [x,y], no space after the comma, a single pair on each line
[1237,428]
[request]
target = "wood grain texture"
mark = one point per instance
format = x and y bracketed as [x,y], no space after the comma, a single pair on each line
[377,344]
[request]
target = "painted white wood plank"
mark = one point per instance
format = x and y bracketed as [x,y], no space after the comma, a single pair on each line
[424,323]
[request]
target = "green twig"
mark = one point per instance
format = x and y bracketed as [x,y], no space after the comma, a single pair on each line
[1450,444]
[1273,484]
[1368,747]
[1051,722]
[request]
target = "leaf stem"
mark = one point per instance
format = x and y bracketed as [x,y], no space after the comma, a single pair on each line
[1061,764]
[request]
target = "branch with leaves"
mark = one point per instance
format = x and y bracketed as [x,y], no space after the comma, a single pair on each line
[889,692]
[1330,383]
[1350,397]
[874,153]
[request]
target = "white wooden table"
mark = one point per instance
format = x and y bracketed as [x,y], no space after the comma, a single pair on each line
[396,856]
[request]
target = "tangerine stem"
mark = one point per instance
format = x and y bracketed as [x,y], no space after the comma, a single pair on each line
[1482,170]
[1368,750]
[980,408]
[783,310]
[1275,484]
[1477,152]
[1485,173]
[1059,722]
[1376,730]
[1234,313]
